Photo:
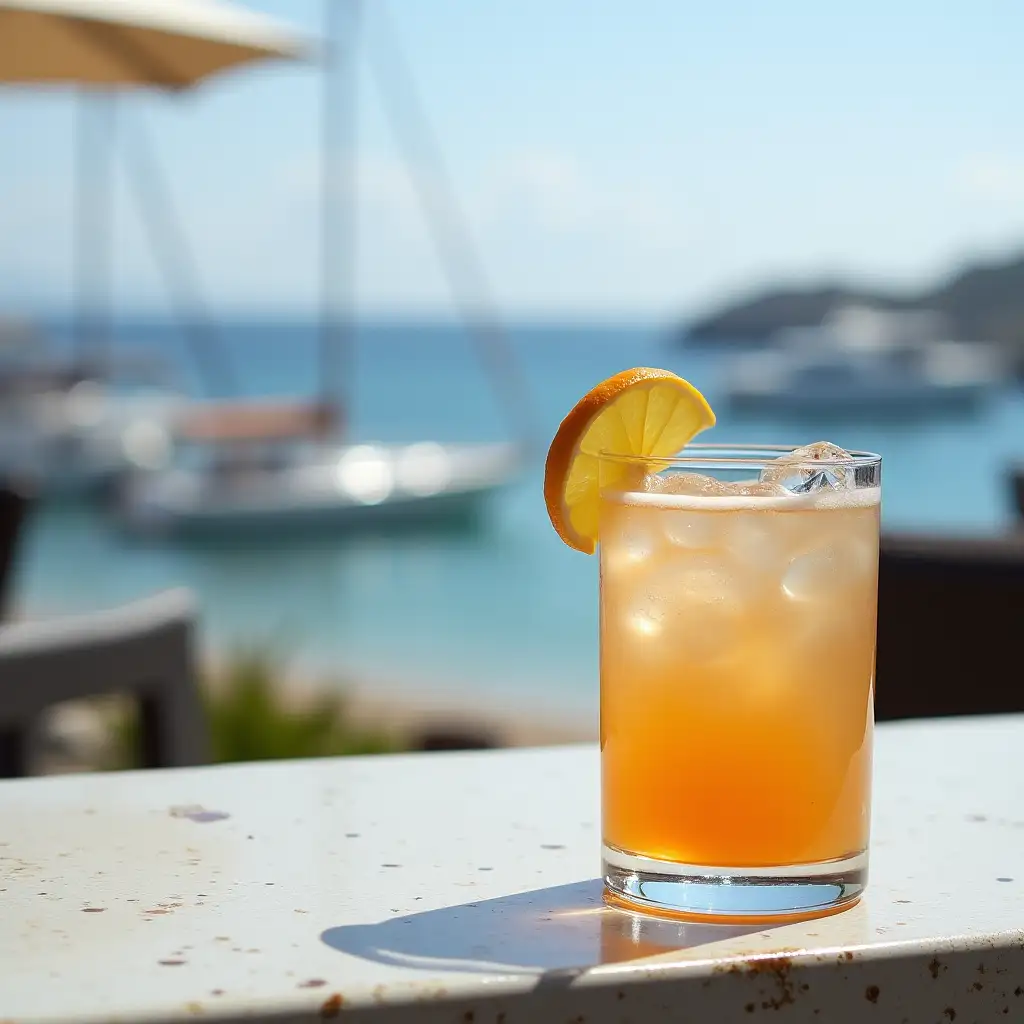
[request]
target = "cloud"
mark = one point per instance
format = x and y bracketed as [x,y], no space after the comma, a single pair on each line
[555,192]
[547,230]
[552,233]
[990,177]
[36,241]
[548,190]
[382,184]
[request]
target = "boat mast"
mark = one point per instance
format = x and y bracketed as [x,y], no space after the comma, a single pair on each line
[338,206]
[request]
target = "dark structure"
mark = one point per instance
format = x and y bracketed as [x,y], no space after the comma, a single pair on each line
[950,626]
[1015,478]
[15,502]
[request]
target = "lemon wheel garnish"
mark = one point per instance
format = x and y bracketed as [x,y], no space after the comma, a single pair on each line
[639,412]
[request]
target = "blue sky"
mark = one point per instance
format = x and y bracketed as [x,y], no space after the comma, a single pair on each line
[618,159]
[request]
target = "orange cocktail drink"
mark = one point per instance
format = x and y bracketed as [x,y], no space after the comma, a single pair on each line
[738,593]
[737,658]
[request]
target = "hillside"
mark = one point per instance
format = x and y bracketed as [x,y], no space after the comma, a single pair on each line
[984,302]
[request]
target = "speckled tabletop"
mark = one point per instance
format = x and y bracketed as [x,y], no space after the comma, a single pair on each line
[462,888]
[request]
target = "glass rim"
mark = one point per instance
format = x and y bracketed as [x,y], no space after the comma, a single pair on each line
[736,455]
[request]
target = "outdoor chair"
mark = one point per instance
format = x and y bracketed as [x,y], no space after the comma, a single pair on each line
[144,649]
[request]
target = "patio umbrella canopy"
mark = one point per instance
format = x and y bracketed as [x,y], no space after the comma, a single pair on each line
[171,44]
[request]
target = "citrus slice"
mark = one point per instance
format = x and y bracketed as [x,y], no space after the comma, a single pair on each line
[639,412]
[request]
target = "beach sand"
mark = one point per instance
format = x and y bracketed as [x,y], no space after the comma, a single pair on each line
[412,709]
[76,736]
[412,713]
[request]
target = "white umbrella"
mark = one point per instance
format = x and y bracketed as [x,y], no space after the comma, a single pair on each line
[171,44]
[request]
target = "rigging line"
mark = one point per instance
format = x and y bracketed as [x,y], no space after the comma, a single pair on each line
[176,261]
[448,229]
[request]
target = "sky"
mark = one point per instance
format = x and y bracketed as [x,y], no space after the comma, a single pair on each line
[642,160]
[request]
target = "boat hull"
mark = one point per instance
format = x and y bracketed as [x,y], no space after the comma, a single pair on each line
[297,500]
[904,402]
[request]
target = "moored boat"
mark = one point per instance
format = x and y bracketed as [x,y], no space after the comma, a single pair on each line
[277,468]
[864,361]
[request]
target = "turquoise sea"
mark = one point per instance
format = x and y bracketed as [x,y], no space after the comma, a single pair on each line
[505,610]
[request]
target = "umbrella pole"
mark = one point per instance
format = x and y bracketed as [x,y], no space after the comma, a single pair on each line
[176,260]
[93,229]
[337,204]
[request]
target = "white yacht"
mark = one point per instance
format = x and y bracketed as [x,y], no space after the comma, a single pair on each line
[864,360]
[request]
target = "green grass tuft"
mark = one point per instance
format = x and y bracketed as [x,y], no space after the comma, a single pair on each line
[251,717]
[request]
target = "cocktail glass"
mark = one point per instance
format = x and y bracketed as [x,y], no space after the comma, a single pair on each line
[738,609]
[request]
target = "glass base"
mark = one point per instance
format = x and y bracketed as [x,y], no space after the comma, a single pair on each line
[740,895]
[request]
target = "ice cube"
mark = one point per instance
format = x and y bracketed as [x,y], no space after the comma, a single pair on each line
[688,609]
[628,546]
[760,543]
[812,576]
[684,527]
[693,530]
[798,473]
[829,570]
[698,528]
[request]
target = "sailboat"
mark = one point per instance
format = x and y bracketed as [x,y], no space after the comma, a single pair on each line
[258,467]
[272,465]
[67,428]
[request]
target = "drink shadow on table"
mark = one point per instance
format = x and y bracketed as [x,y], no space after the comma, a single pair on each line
[559,932]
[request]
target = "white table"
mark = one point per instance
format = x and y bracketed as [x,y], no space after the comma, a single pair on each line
[461,888]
